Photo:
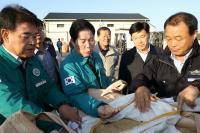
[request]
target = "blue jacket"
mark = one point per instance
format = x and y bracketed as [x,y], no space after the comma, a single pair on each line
[77,77]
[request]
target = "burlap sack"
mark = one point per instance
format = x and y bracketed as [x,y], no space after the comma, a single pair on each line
[125,125]
[115,127]
[24,122]
[20,122]
[189,122]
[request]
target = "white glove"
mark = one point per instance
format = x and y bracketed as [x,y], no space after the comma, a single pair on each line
[116,86]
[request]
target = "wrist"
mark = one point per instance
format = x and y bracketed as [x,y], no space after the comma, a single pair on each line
[196,84]
[61,106]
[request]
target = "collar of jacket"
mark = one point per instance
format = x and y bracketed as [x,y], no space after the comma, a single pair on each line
[152,50]
[110,49]
[14,63]
[78,57]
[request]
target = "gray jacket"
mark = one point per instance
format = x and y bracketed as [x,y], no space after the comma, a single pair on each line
[110,61]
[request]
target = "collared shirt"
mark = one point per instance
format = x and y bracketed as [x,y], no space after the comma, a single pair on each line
[143,55]
[178,64]
[13,55]
[104,52]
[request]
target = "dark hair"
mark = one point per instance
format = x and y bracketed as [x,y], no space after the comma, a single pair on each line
[138,26]
[12,15]
[40,23]
[102,28]
[79,25]
[47,39]
[189,19]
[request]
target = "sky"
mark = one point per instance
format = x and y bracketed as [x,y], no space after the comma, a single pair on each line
[156,10]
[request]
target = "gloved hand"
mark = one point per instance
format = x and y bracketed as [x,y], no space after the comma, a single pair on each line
[116,86]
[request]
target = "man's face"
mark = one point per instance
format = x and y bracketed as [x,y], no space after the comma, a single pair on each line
[178,39]
[141,40]
[22,40]
[40,37]
[104,38]
[85,43]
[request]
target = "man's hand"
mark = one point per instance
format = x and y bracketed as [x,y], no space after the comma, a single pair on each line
[143,98]
[106,111]
[188,95]
[67,113]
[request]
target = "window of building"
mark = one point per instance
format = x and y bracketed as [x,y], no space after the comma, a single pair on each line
[60,25]
[110,25]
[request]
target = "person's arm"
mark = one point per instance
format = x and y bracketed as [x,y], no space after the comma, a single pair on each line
[60,102]
[189,95]
[13,99]
[76,90]
[147,76]
[142,82]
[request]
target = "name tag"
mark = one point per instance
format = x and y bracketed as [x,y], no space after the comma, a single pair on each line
[40,83]
[193,79]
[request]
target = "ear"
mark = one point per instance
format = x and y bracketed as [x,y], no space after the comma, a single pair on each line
[4,35]
[195,35]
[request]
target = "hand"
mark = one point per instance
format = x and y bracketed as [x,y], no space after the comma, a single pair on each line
[67,113]
[106,111]
[188,95]
[143,98]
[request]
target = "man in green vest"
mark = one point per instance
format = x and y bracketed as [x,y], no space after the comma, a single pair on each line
[24,84]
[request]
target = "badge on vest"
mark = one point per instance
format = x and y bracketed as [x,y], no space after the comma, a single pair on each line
[36,72]
[69,80]
[40,83]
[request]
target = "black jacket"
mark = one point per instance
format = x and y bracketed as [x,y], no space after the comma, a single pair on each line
[163,74]
[132,64]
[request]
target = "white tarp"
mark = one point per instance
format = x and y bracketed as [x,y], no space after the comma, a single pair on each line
[165,124]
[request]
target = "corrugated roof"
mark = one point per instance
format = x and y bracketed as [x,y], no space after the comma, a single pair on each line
[117,16]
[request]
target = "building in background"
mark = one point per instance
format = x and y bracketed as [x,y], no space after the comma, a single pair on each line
[58,25]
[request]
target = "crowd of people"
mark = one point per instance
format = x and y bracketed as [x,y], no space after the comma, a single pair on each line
[34,80]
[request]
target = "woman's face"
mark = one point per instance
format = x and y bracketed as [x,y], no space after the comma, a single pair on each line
[85,43]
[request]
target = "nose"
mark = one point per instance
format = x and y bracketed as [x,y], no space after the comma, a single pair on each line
[173,43]
[87,44]
[139,40]
[32,40]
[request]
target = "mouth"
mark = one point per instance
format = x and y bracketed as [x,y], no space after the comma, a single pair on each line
[89,52]
[31,49]
[174,50]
